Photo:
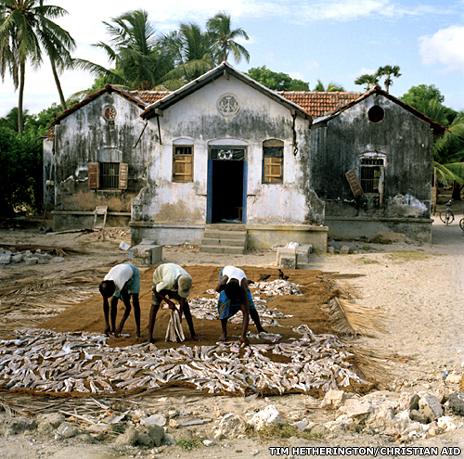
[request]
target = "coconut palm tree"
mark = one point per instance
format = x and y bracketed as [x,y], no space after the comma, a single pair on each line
[138,59]
[192,50]
[27,26]
[387,72]
[224,39]
[331,87]
[368,80]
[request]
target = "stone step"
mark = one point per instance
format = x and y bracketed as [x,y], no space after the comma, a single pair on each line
[215,234]
[221,249]
[227,242]
[226,227]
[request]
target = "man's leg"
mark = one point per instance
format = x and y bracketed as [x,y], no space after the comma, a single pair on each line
[224,330]
[114,313]
[153,311]
[255,318]
[127,309]
[135,302]
[188,318]
[106,313]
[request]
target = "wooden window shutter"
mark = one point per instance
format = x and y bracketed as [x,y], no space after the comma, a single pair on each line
[123,175]
[93,172]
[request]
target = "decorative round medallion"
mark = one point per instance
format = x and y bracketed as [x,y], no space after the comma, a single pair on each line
[109,113]
[228,105]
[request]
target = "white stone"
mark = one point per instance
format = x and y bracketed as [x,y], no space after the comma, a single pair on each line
[430,406]
[207,442]
[154,420]
[230,426]
[453,378]
[446,423]
[355,408]
[5,258]
[334,399]
[265,417]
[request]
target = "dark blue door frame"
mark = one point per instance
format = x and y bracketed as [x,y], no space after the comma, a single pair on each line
[209,192]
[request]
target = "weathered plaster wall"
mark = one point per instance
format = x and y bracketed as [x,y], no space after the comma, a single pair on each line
[405,140]
[86,136]
[48,175]
[197,120]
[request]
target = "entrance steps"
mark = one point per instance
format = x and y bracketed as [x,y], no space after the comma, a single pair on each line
[224,238]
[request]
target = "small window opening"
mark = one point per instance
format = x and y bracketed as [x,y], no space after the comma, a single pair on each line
[371,173]
[376,114]
[273,161]
[182,163]
[109,175]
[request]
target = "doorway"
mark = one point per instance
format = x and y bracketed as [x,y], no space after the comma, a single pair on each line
[227,186]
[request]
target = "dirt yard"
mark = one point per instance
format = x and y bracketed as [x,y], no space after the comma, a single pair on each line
[417,291]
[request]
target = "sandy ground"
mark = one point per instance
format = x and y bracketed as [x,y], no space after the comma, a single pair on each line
[418,289]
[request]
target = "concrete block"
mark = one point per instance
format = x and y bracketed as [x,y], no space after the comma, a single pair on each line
[148,254]
[31,260]
[17,258]
[303,252]
[286,258]
[5,258]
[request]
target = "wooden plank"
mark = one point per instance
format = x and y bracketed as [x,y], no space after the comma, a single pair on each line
[353,181]
[93,171]
[123,175]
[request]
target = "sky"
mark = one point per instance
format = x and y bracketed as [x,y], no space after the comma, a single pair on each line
[327,40]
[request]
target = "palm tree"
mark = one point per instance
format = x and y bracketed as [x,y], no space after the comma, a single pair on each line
[368,80]
[139,61]
[388,71]
[26,26]
[192,50]
[331,87]
[224,39]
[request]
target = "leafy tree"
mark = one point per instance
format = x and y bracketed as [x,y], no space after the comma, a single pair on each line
[331,87]
[26,29]
[224,39]
[277,81]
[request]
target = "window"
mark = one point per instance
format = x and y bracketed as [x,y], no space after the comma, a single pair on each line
[376,114]
[107,176]
[371,174]
[273,161]
[182,168]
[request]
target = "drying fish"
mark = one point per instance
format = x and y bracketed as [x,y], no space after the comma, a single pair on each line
[312,363]
[277,287]
[174,332]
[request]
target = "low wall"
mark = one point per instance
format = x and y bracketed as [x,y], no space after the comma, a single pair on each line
[166,234]
[80,219]
[416,229]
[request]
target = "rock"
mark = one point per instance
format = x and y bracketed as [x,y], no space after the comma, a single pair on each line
[331,250]
[173,413]
[173,424]
[430,406]
[17,258]
[303,425]
[334,399]
[344,249]
[19,425]
[453,378]
[356,408]
[128,438]
[31,260]
[47,423]
[57,260]
[5,259]
[418,416]
[342,424]
[156,433]
[154,420]
[207,442]
[169,439]
[230,426]
[267,416]
[456,403]
[144,439]
[414,402]
[446,423]
[66,430]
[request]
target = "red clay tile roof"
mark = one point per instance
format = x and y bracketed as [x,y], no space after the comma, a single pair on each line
[320,103]
[149,97]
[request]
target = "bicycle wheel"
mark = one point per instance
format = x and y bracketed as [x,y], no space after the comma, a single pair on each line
[461,224]
[446,217]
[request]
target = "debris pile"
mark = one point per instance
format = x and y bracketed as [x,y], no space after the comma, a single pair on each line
[46,361]
[28,257]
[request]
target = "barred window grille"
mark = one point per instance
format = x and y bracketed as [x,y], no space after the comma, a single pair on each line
[182,163]
[109,176]
[371,171]
[273,161]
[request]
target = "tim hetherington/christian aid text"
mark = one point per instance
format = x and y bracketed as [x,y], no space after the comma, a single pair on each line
[376,451]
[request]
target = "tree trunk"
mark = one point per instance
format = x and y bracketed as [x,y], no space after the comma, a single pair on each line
[456,196]
[58,84]
[22,69]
